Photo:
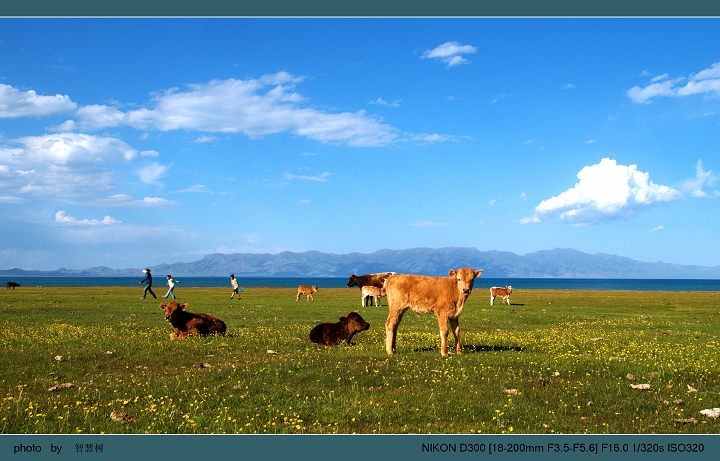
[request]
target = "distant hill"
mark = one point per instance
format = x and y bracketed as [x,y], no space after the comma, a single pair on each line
[567,263]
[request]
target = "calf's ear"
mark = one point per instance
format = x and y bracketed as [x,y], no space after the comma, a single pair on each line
[343,320]
[452,273]
[184,306]
[162,307]
[478,273]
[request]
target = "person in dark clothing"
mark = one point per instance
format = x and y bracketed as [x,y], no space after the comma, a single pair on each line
[148,284]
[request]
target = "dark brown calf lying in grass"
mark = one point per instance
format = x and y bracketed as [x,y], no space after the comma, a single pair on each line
[331,334]
[190,323]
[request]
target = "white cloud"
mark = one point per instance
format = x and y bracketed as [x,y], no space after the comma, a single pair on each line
[606,190]
[323,177]
[152,173]
[61,164]
[706,81]
[255,107]
[16,103]
[568,86]
[657,229]
[149,153]
[450,53]
[429,224]
[303,202]
[491,202]
[74,148]
[61,217]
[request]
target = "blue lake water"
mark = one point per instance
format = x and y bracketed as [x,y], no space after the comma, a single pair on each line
[341,282]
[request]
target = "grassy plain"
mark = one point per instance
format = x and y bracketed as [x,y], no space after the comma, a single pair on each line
[554,362]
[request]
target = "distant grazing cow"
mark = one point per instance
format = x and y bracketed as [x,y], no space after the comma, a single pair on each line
[331,334]
[372,292]
[499,291]
[190,323]
[368,280]
[442,296]
[306,290]
[11,285]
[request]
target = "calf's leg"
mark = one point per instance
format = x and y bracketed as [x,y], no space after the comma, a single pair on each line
[455,326]
[443,322]
[391,326]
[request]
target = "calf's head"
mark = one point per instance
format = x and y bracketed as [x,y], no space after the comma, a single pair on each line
[172,310]
[354,322]
[465,278]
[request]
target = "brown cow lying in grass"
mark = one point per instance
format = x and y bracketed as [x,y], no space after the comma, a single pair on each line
[306,290]
[331,334]
[190,323]
[443,296]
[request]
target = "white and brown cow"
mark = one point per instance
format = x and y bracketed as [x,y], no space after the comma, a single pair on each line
[190,323]
[372,292]
[443,296]
[307,290]
[500,291]
[369,280]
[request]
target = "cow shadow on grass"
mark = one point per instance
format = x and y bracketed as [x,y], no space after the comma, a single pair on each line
[477,348]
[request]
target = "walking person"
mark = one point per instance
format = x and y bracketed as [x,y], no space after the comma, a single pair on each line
[171,284]
[235,286]
[148,284]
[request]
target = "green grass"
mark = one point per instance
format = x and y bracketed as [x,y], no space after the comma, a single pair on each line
[566,355]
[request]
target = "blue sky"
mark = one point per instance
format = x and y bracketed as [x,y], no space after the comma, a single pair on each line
[133,142]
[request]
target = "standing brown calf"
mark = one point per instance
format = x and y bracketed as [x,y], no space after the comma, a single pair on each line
[306,290]
[190,323]
[331,334]
[443,296]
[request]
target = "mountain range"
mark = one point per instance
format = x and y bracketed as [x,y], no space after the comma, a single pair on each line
[559,262]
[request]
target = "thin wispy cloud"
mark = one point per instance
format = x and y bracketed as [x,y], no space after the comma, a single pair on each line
[707,82]
[702,180]
[152,173]
[604,191]
[432,138]
[206,139]
[450,53]
[194,189]
[429,224]
[382,102]
[323,177]
[657,229]
[125,200]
